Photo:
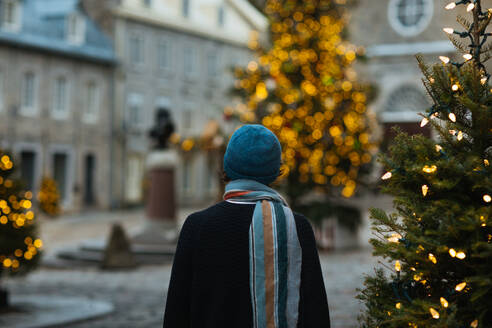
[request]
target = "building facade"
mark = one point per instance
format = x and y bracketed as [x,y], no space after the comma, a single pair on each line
[56,70]
[177,55]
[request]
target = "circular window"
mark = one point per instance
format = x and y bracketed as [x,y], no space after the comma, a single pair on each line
[410,17]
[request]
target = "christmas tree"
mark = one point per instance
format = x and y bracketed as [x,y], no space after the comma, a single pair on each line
[303,87]
[49,197]
[19,248]
[439,239]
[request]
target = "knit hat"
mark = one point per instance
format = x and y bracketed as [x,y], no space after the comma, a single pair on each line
[253,153]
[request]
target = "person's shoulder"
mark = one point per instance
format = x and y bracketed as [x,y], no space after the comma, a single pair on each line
[216,210]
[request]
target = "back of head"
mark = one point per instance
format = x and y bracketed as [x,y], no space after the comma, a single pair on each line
[253,153]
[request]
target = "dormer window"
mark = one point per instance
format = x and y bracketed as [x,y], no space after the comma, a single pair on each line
[221,16]
[186,8]
[11,15]
[75,29]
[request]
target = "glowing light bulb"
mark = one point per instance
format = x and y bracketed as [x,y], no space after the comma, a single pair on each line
[444,302]
[434,313]
[387,176]
[450,6]
[460,287]
[424,122]
[461,255]
[455,87]
[438,148]
[398,305]
[470,7]
[452,252]
[452,117]
[487,198]
[448,30]
[460,136]
[395,238]
[474,324]
[467,56]
[432,258]
[486,162]
[483,80]
[397,266]
[444,59]
[425,189]
[429,169]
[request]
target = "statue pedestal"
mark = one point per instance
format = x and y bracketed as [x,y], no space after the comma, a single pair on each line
[160,224]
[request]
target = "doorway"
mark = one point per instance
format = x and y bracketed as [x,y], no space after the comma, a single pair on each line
[90,168]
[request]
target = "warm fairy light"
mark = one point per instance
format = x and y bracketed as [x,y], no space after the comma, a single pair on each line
[452,117]
[448,30]
[395,238]
[398,305]
[387,176]
[444,302]
[470,7]
[461,255]
[444,59]
[460,287]
[397,266]
[429,169]
[467,56]
[486,162]
[483,80]
[452,252]
[432,258]
[425,189]
[450,6]
[434,313]
[487,198]
[455,87]
[459,136]
[424,122]
[474,324]
[438,148]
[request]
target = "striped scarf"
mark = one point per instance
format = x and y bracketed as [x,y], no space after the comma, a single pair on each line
[274,254]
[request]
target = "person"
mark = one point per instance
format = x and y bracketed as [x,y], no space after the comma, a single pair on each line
[247,261]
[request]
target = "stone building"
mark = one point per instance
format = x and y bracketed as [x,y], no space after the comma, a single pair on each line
[173,54]
[393,32]
[55,98]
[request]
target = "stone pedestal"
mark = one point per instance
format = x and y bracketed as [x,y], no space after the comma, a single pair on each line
[160,224]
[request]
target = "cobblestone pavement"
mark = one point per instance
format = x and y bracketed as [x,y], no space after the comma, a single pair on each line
[139,295]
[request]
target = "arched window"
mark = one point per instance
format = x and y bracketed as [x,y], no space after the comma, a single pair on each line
[410,17]
[404,103]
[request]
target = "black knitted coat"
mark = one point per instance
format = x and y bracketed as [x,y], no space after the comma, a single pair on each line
[209,286]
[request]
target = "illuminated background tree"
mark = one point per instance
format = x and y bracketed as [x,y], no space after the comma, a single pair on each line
[303,87]
[439,239]
[19,248]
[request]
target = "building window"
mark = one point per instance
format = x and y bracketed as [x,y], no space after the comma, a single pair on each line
[187,119]
[212,64]
[410,17]
[135,110]
[164,54]
[189,61]
[136,50]
[187,176]
[11,15]
[28,98]
[221,16]
[60,173]
[75,29]
[60,103]
[1,91]
[91,108]
[186,8]
[28,168]
[404,103]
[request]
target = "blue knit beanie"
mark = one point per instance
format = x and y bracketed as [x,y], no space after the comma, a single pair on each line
[254,153]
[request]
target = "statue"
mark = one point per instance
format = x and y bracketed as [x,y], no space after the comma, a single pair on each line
[163,129]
